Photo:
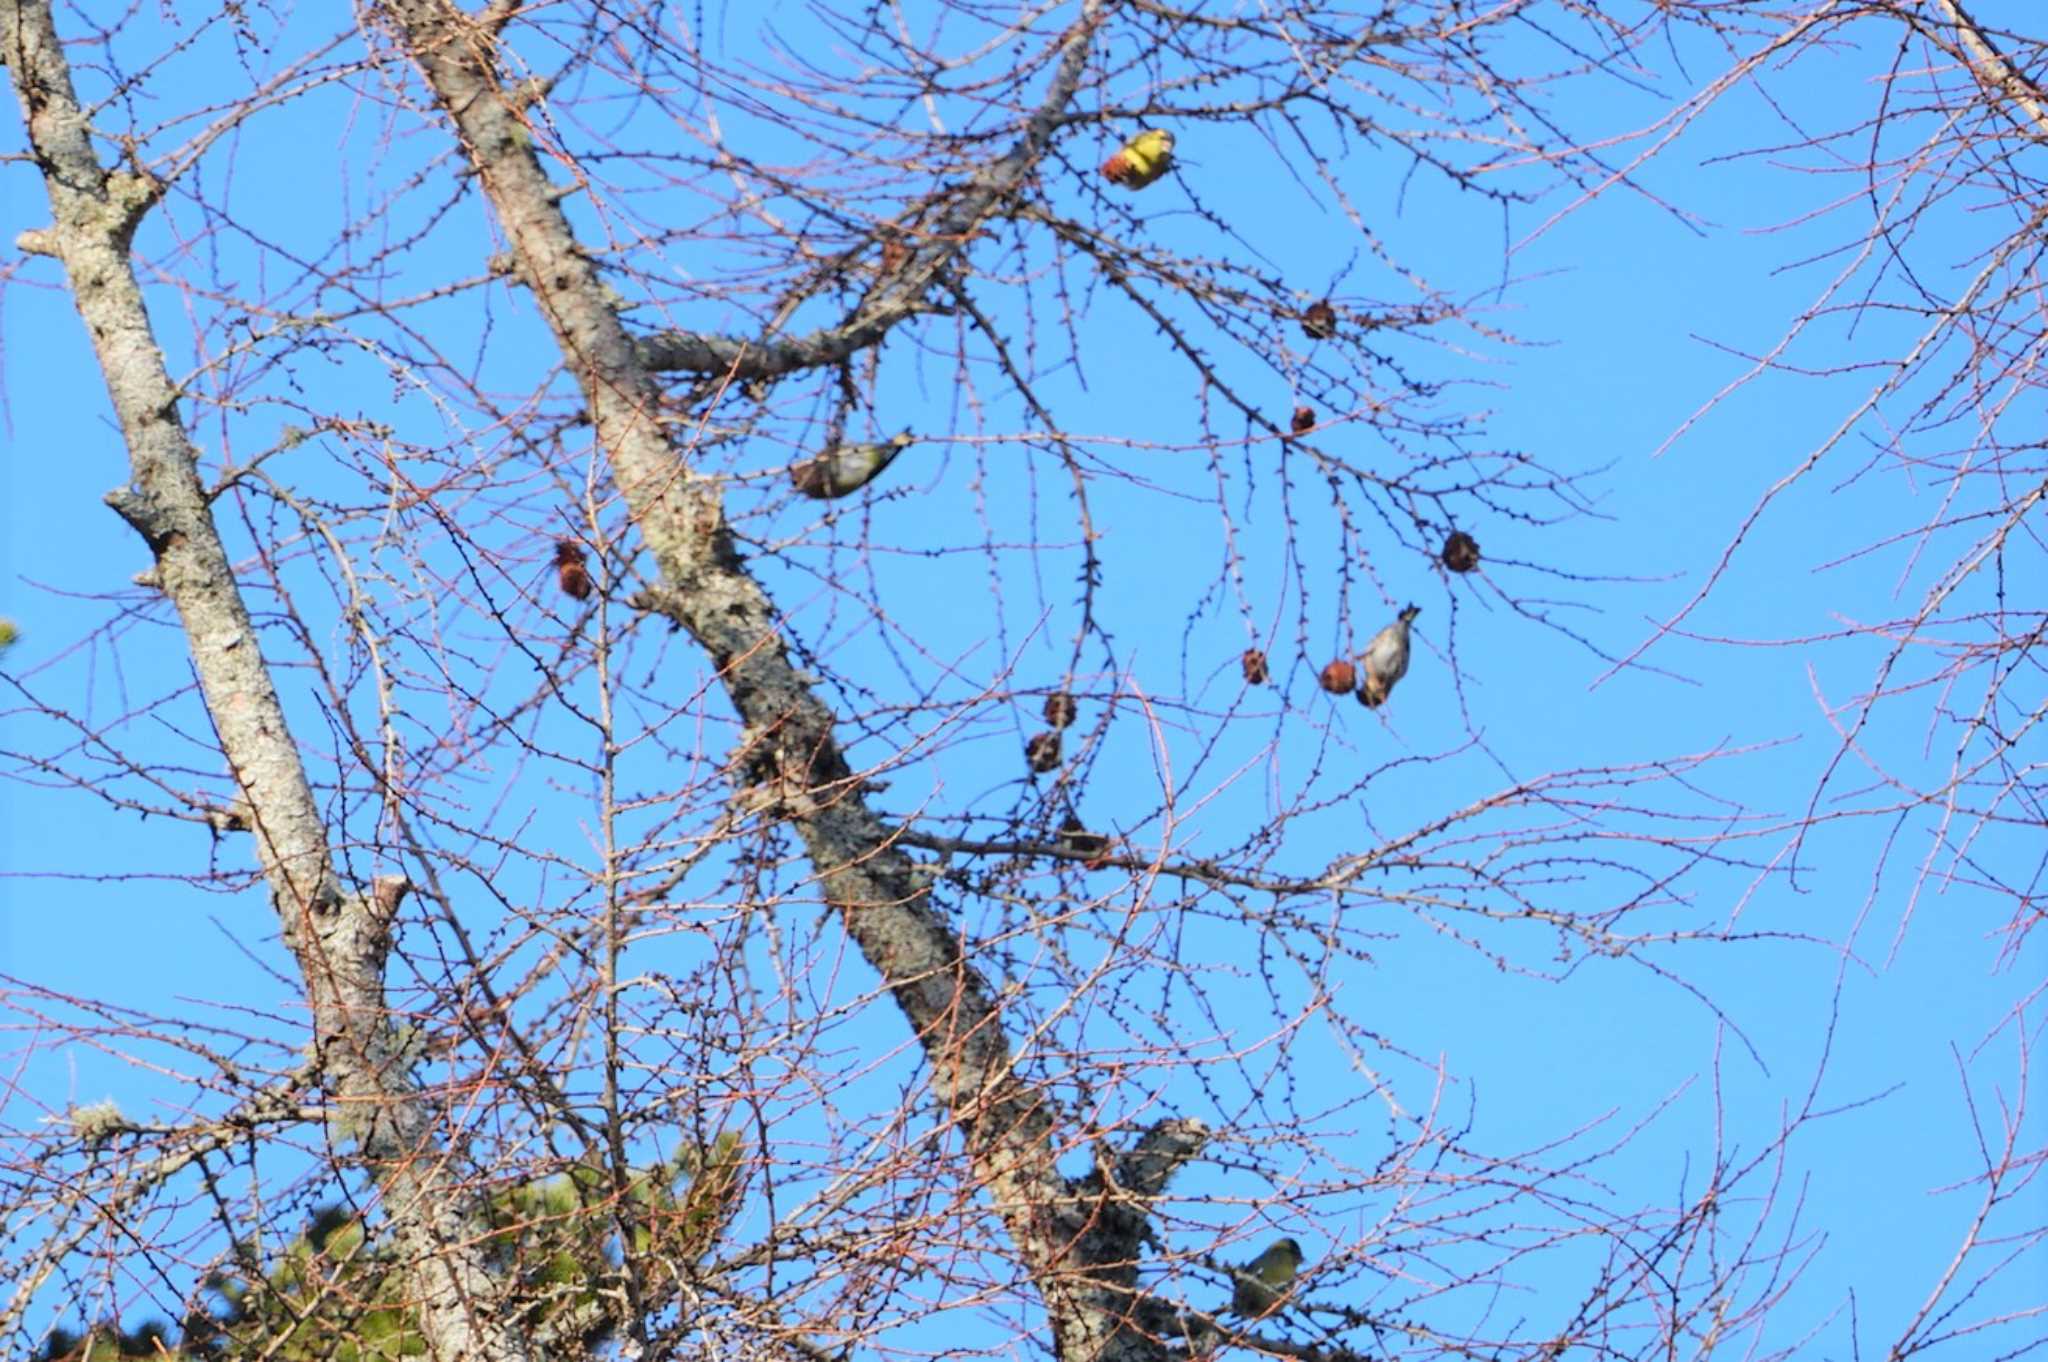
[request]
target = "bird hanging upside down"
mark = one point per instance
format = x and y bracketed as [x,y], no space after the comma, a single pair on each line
[1386,660]
[1141,160]
[844,469]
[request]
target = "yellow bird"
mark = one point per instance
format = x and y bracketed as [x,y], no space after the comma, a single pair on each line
[1141,160]
[1264,1282]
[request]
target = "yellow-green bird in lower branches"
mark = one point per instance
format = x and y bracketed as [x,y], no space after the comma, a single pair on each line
[1141,160]
[1264,1282]
[844,469]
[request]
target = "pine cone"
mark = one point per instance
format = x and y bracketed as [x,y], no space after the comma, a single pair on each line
[1076,837]
[569,569]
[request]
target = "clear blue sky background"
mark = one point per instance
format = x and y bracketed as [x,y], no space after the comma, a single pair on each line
[1616,305]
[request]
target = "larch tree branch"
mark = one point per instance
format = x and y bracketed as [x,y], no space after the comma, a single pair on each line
[340,935]
[1078,1239]
[1993,71]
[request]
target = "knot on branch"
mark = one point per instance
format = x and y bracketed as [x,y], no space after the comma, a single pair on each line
[144,515]
[1159,1153]
[130,196]
[1112,1205]
[387,892]
[791,769]
[37,241]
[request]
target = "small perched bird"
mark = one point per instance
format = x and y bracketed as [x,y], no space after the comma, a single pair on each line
[1386,660]
[1320,321]
[1141,160]
[1262,1283]
[844,469]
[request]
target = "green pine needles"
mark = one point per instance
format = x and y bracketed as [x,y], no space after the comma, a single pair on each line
[561,1244]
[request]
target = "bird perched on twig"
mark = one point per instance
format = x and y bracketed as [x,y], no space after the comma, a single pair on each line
[1386,660]
[1141,160]
[1264,1282]
[844,469]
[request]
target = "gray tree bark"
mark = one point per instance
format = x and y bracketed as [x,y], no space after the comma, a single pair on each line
[1078,1240]
[338,933]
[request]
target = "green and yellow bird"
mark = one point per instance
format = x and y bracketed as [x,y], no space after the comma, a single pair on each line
[1264,1282]
[844,469]
[1141,160]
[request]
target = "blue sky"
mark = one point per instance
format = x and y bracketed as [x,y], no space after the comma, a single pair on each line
[1624,317]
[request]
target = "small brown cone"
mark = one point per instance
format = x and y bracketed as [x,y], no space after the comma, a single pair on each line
[1254,663]
[1461,552]
[1059,709]
[1042,753]
[1304,419]
[1339,677]
[1320,321]
[569,569]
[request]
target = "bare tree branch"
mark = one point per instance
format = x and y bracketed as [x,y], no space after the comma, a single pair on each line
[340,935]
[790,750]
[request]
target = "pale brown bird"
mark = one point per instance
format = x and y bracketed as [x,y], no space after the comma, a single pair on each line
[1386,660]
